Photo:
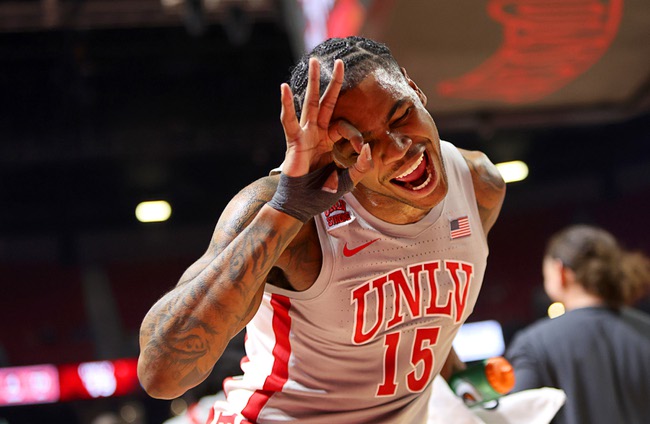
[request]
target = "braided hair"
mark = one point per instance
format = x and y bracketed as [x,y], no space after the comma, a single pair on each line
[360,56]
[601,266]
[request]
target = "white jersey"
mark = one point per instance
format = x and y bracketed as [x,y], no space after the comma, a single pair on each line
[364,342]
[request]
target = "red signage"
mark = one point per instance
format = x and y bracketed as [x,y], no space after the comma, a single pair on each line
[25,385]
[89,380]
[50,383]
[546,45]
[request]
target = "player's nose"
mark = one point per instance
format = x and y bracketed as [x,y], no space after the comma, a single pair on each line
[396,148]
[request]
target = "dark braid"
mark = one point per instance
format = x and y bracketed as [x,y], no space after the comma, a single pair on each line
[360,56]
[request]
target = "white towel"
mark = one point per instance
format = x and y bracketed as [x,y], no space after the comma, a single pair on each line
[535,406]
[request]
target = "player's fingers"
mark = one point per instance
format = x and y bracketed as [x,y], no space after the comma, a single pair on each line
[331,95]
[363,164]
[312,93]
[342,130]
[288,114]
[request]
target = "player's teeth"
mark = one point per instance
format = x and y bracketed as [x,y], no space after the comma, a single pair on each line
[413,168]
[424,184]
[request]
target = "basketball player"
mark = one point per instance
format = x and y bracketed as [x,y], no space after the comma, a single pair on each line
[352,270]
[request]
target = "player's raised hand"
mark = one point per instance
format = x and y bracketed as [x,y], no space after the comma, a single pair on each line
[307,139]
[311,140]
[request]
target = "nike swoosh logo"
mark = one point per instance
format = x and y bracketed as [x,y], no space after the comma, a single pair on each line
[351,252]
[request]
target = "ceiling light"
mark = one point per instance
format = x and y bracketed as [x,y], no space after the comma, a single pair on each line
[515,170]
[153,211]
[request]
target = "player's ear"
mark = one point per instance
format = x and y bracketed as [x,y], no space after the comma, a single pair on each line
[414,86]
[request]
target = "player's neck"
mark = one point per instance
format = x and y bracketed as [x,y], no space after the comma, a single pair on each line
[392,211]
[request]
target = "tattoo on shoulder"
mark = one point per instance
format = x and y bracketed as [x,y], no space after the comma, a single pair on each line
[248,211]
[489,187]
[486,173]
[249,203]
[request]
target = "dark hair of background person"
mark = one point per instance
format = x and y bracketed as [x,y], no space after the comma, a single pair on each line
[603,267]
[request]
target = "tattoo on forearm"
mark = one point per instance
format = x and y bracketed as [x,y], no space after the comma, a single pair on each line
[183,337]
[228,276]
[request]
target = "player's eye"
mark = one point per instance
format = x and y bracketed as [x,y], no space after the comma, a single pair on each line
[403,117]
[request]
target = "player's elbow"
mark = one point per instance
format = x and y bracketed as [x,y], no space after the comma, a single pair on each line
[159,390]
[157,382]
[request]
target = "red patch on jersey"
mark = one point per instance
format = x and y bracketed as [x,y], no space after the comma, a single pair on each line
[338,214]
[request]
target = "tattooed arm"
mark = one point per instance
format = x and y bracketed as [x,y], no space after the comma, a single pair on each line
[186,331]
[489,187]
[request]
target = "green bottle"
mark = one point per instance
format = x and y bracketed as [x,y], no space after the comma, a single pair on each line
[483,382]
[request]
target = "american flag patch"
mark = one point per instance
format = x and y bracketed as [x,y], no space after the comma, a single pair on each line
[459,227]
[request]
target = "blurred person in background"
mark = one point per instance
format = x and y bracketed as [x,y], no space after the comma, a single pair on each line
[598,351]
[352,270]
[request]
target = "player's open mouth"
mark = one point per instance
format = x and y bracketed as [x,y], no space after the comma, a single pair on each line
[417,176]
